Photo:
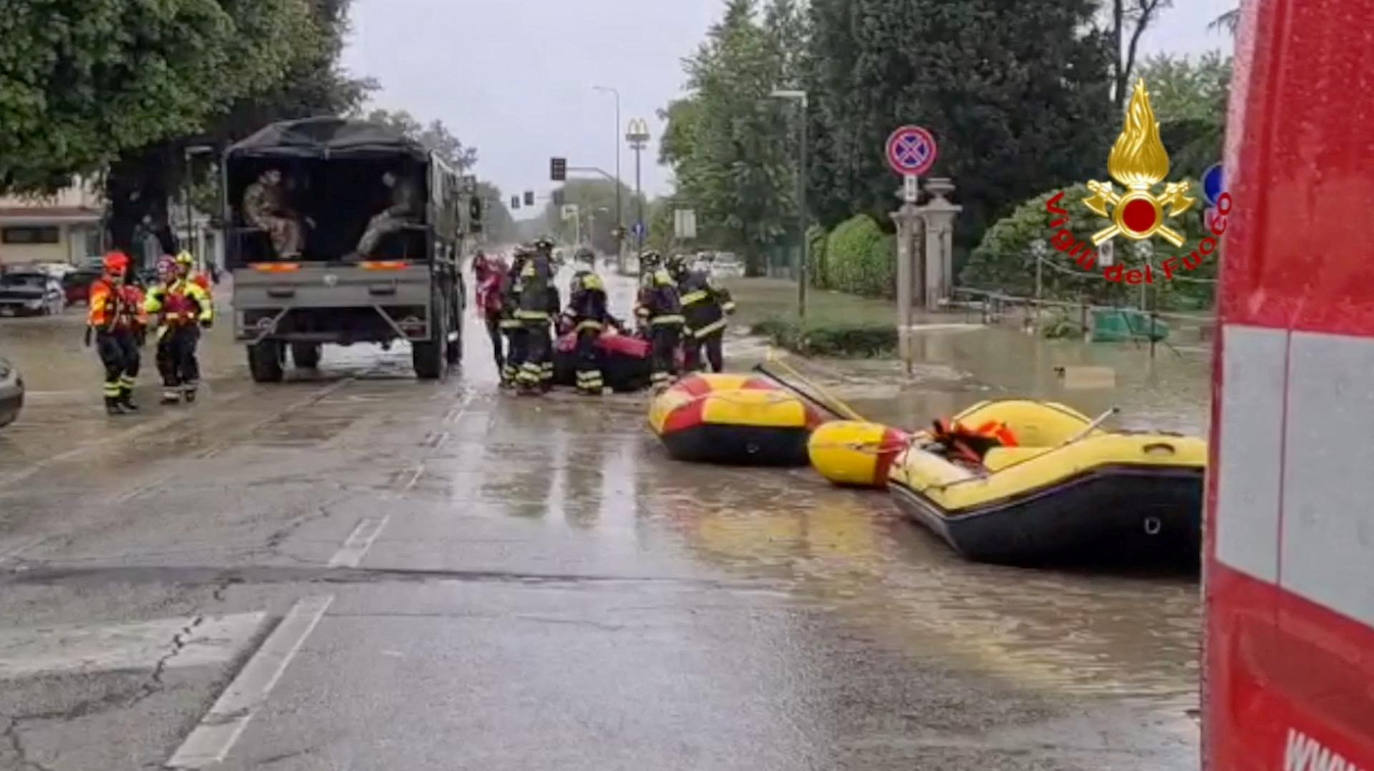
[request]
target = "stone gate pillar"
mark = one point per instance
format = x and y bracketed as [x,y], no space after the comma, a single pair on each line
[938,215]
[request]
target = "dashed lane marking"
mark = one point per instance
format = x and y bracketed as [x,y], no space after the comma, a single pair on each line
[13,551]
[211,739]
[359,541]
[171,642]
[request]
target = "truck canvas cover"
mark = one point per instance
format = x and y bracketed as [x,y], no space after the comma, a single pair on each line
[327,138]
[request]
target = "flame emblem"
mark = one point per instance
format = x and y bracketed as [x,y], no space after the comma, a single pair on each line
[1139,162]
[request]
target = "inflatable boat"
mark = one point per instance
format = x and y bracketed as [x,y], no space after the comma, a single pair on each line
[733,419]
[853,453]
[1023,482]
[624,359]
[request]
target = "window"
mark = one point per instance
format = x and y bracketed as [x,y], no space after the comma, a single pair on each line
[30,235]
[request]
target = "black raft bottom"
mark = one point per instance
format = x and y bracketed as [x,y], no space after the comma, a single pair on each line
[1120,516]
[739,445]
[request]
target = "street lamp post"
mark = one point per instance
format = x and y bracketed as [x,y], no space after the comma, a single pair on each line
[805,247]
[619,211]
[638,136]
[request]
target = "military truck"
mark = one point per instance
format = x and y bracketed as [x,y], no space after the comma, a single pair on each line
[299,197]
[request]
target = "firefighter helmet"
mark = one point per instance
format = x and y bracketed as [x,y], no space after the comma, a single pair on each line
[650,259]
[185,259]
[116,263]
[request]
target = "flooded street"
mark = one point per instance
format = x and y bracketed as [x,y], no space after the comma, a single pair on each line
[357,570]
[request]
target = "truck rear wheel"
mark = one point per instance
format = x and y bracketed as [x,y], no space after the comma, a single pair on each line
[265,361]
[453,349]
[306,355]
[428,356]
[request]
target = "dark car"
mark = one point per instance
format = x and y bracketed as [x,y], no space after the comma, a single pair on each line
[77,285]
[11,392]
[30,292]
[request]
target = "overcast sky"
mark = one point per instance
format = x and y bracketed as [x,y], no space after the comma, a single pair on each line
[514,77]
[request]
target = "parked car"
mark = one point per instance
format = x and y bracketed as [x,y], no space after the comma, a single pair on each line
[727,265]
[11,392]
[77,285]
[28,291]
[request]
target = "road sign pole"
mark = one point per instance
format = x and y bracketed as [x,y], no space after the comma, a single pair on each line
[804,253]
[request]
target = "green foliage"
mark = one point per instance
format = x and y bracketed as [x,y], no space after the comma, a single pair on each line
[861,259]
[498,226]
[1018,107]
[1005,262]
[727,141]
[595,200]
[830,339]
[1189,97]
[88,80]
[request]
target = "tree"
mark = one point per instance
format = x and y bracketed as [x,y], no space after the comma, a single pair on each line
[1228,21]
[727,141]
[1129,19]
[436,136]
[595,201]
[1189,97]
[1019,107]
[497,223]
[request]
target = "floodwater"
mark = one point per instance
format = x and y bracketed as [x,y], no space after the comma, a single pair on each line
[772,621]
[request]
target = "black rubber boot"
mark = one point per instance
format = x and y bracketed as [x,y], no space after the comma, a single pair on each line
[112,406]
[126,400]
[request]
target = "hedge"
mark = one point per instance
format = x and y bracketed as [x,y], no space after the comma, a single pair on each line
[838,340]
[861,259]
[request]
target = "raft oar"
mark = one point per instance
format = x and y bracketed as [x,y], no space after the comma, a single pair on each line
[1091,427]
[825,401]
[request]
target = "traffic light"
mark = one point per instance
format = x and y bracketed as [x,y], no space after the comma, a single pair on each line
[558,169]
[475,215]
[558,197]
[529,197]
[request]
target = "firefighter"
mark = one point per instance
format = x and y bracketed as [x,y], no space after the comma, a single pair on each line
[536,283]
[660,309]
[586,315]
[182,307]
[490,273]
[186,268]
[704,306]
[113,321]
[516,339]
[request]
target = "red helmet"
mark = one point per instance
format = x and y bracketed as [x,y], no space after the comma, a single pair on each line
[166,267]
[116,263]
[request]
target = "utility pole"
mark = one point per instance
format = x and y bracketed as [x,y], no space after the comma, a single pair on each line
[638,136]
[803,246]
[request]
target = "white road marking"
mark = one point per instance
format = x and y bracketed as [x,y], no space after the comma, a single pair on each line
[217,731]
[176,642]
[353,550]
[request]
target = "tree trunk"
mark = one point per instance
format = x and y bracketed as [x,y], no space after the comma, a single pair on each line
[137,188]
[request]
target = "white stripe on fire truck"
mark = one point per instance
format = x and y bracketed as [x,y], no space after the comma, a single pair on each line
[1328,481]
[1295,482]
[1250,457]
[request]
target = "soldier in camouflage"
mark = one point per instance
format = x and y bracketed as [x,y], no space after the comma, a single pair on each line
[265,207]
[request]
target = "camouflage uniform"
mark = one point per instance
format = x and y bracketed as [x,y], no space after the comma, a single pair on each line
[404,199]
[264,206]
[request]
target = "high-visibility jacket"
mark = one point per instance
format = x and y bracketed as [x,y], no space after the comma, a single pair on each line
[704,304]
[536,290]
[179,303]
[659,302]
[512,286]
[587,301]
[112,308]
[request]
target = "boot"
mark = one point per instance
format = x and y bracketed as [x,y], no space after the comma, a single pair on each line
[126,400]
[170,396]
[188,391]
[112,406]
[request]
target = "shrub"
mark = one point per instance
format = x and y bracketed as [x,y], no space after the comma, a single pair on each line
[838,340]
[1003,261]
[861,259]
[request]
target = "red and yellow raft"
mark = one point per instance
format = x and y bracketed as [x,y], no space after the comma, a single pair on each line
[854,453]
[733,419]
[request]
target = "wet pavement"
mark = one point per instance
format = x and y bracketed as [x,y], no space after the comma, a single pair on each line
[357,570]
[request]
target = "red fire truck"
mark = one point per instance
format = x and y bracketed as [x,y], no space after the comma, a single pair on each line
[1289,648]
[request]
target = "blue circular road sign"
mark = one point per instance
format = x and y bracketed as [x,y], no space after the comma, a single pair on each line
[1213,184]
[638,229]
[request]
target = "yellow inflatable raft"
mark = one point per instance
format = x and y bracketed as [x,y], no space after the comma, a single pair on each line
[1065,489]
[855,453]
[733,419]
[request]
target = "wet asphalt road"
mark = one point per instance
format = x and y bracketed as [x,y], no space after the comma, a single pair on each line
[354,570]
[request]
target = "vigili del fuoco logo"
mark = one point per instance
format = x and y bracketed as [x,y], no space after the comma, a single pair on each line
[1138,162]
